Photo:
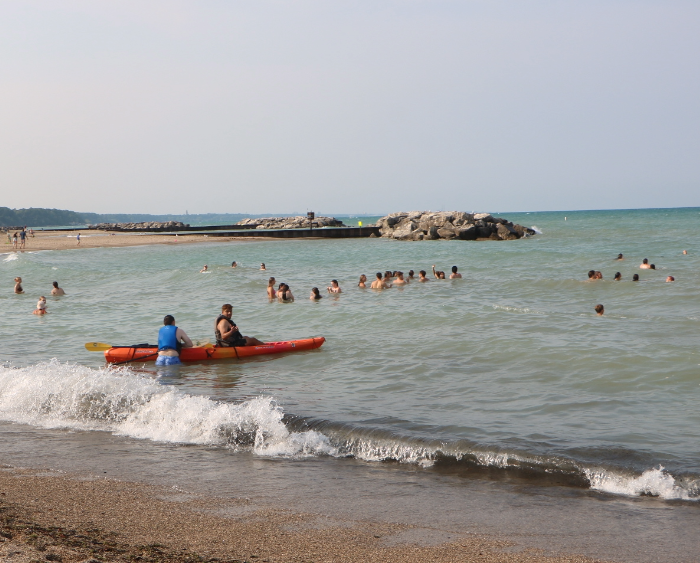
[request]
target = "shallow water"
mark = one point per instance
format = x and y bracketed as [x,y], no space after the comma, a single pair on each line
[507,371]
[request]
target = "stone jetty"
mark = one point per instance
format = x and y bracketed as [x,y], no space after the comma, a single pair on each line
[149,225]
[292,222]
[430,225]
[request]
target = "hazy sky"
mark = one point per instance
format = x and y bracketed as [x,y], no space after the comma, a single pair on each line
[349,107]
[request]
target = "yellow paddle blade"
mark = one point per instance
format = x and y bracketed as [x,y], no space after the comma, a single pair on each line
[97,346]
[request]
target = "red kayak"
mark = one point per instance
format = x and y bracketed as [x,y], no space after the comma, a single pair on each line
[148,353]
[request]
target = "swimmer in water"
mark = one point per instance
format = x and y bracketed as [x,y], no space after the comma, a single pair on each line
[619,257]
[635,277]
[422,276]
[284,294]
[411,275]
[685,252]
[262,266]
[591,274]
[652,266]
[204,269]
[600,310]
[18,285]
[234,264]
[363,279]
[387,278]
[315,295]
[399,279]
[454,275]
[670,279]
[618,276]
[439,274]
[57,290]
[40,306]
[379,283]
[645,265]
[598,275]
[334,287]
[271,289]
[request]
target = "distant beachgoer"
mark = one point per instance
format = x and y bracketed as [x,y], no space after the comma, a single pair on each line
[600,310]
[40,306]
[411,275]
[226,332]
[620,257]
[591,274]
[685,252]
[670,279]
[18,285]
[171,339]
[262,266]
[363,279]
[204,269]
[77,237]
[379,283]
[645,265]
[422,276]
[635,277]
[598,275]
[284,294]
[271,288]
[234,264]
[454,275]
[57,290]
[439,274]
[31,233]
[399,279]
[14,240]
[618,276]
[334,287]
[22,238]
[315,295]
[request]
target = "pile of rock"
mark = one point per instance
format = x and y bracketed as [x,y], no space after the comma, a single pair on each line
[292,222]
[428,225]
[147,226]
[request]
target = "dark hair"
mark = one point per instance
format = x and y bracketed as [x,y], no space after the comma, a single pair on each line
[653,266]
[618,276]
[619,256]
[55,284]
[387,274]
[226,307]
[379,275]
[591,273]
[411,272]
[317,295]
[422,273]
[635,277]
[599,308]
[334,281]
[454,269]
[645,261]
[168,320]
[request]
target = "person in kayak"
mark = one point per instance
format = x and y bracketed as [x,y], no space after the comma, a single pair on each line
[171,340]
[227,333]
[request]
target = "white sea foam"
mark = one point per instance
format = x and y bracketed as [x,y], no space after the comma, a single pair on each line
[655,482]
[537,229]
[10,257]
[57,395]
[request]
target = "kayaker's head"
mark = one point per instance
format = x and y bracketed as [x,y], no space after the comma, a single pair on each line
[168,320]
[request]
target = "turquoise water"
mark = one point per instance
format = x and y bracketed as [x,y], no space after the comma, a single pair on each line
[508,370]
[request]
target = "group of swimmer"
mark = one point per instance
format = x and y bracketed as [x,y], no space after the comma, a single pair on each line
[41,304]
[171,338]
[597,275]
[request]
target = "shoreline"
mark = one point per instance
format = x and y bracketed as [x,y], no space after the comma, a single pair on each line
[55,516]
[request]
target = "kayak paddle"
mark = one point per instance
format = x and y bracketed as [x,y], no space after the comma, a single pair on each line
[97,346]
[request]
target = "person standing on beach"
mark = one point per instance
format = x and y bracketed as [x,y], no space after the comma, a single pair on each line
[57,290]
[22,238]
[271,289]
[14,241]
[77,237]
[227,333]
[171,339]
[454,275]
[18,285]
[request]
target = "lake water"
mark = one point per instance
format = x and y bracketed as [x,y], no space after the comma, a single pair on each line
[505,375]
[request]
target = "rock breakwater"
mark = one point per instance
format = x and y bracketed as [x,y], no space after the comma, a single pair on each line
[300,222]
[429,225]
[147,226]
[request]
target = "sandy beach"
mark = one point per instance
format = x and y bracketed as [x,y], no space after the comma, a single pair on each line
[63,240]
[51,516]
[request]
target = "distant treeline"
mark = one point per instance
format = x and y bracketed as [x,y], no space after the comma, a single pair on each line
[38,217]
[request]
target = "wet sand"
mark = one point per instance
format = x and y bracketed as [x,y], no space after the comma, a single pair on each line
[52,516]
[47,240]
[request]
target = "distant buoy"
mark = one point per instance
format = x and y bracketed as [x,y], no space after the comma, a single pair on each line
[564,218]
[359,223]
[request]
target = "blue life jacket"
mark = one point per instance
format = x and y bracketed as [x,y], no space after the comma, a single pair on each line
[167,340]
